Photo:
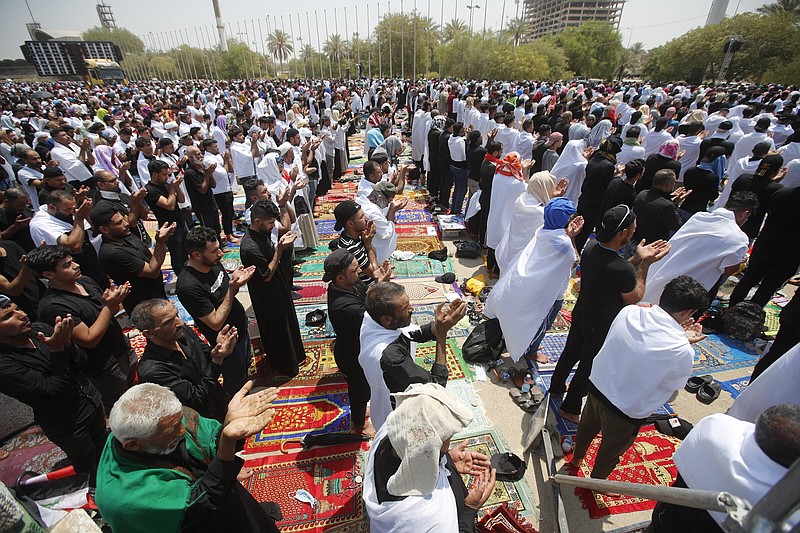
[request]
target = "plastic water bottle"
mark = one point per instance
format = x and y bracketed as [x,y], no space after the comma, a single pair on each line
[567,445]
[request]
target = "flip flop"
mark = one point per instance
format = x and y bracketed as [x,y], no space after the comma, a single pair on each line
[695,382]
[709,392]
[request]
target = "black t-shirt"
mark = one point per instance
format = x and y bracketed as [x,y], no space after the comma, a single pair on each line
[605,276]
[200,201]
[28,301]
[617,193]
[21,236]
[86,309]
[780,229]
[202,293]
[123,261]
[653,164]
[346,311]
[599,173]
[123,204]
[45,191]
[704,185]
[764,189]
[164,216]
[656,216]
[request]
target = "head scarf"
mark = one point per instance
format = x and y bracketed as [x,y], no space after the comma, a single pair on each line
[714,161]
[557,213]
[669,149]
[670,112]
[609,148]
[599,132]
[541,186]
[425,417]
[511,165]
[391,144]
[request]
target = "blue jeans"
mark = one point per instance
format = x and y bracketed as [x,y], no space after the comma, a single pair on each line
[548,322]
[234,367]
[460,176]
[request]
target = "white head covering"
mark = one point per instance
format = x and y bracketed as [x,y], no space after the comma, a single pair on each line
[285,147]
[572,165]
[426,415]
[600,131]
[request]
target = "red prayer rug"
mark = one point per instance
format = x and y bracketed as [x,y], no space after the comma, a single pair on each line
[319,365]
[416,230]
[302,410]
[504,519]
[332,475]
[312,292]
[648,461]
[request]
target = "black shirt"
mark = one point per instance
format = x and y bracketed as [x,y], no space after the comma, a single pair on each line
[189,373]
[475,155]
[200,201]
[599,173]
[618,192]
[780,229]
[357,248]
[86,309]
[444,151]
[202,293]
[605,276]
[656,216]
[433,148]
[44,192]
[653,164]
[10,265]
[399,368]
[708,143]
[346,311]
[704,185]
[51,383]
[23,235]
[164,216]
[764,189]
[122,203]
[123,261]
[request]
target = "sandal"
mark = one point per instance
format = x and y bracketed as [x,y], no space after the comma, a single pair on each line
[695,382]
[709,392]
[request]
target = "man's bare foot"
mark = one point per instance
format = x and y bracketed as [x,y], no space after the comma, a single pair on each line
[233,240]
[368,430]
[243,474]
[542,358]
[367,412]
[569,416]
[3,454]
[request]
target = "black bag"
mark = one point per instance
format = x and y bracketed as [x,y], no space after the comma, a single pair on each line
[744,321]
[485,343]
[467,249]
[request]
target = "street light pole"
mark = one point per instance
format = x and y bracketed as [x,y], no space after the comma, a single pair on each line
[471,10]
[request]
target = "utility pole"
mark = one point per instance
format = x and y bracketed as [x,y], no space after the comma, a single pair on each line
[223,41]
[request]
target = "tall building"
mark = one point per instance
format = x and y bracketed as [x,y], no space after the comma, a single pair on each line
[549,17]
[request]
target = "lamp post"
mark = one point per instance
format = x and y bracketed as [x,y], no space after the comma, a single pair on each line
[472,8]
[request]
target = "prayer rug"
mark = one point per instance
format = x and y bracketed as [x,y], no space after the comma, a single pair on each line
[313,268]
[426,313]
[231,259]
[183,314]
[301,410]
[324,210]
[515,494]
[648,462]
[169,276]
[425,290]
[419,245]
[420,267]
[318,367]
[735,386]
[552,345]
[30,450]
[413,216]
[465,392]
[720,352]
[332,475]
[772,322]
[567,427]
[456,366]
[137,340]
[416,230]
[325,226]
[504,519]
[312,292]
[562,322]
[313,333]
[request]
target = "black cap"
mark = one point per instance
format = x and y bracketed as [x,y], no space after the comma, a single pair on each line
[713,153]
[615,220]
[763,124]
[725,125]
[102,213]
[344,212]
[337,261]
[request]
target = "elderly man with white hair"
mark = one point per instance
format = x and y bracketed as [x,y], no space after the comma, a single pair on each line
[165,468]
[412,482]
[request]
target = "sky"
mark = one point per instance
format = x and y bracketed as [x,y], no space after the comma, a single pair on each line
[640,21]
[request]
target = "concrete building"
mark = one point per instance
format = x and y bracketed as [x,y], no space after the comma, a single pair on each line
[549,17]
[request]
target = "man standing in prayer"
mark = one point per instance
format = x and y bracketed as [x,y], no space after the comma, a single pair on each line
[599,173]
[271,286]
[356,237]
[645,358]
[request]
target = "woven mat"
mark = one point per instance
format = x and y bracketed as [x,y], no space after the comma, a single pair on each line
[426,313]
[424,290]
[328,474]
[30,450]
[312,292]
[515,494]
[720,352]
[318,367]
[416,230]
[648,461]
[315,333]
[456,366]
[735,386]
[465,392]
[420,267]
[552,345]
[300,410]
[504,519]
[419,245]
[413,216]
[772,321]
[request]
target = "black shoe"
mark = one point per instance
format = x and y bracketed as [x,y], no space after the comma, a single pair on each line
[296,274]
[296,296]
[297,262]
[297,288]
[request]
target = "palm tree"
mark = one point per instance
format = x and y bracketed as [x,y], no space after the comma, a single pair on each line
[309,53]
[516,30]
[453,29]
[335,48]
[279,44]
[783,7]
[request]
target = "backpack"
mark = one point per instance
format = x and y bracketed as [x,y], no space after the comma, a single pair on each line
[467,249]
[485,343]
[744,321]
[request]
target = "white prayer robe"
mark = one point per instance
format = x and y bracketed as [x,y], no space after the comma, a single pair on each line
[505,191]
[434,513]
[702,248]
[419,134]
[654,140]
[744,146]
[744,165]
[527,217]
[385,240]
[524,295]
[572,165]
[776,385]
[645,358]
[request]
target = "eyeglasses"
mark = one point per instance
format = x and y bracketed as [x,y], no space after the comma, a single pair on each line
[621,222]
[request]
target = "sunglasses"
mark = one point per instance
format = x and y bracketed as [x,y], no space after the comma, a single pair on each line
[621,222]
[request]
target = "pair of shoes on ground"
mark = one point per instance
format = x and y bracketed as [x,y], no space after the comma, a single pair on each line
[704,387]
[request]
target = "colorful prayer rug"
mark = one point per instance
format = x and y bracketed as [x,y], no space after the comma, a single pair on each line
[465,392]
[504,519]
[319,365]
[183,314]
[331,475]
[231,259]
[735,386]
[648,462]
[552,345]
[772,321]
[325,226]
[456,366]
[312,292]
[426,313]
[169,276]
[416,230]
[313,333]
[515,494]
[31,451]
[419,245]
[301,410]
[425,290]
[420,267]
[720,352]
[413,216]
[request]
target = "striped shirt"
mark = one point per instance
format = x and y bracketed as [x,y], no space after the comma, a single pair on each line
[357,248]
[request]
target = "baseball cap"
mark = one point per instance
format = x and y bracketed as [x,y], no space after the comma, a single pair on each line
[336,262]
[344,212]
[615,220]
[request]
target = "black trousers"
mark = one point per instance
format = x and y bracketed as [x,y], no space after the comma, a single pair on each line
[769,267]
[177,250]
[586,337]
[589,218]
[788,336]
[357,386]
[434,179]
[446,185]
[84,444]
[209,218]
[225,203]
[670,518]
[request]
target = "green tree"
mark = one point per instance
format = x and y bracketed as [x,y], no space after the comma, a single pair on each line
[279,44]
[593,49]
[238,61]
[336,50]
[401,33]
[781,7]
[515,30]
[453,29]
[129,42]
